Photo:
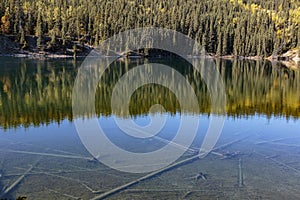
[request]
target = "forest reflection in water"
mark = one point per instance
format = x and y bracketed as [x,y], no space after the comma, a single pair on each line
[35,92]
[49,159]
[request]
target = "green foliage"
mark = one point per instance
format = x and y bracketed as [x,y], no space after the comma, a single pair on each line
[5,23]
[222,26]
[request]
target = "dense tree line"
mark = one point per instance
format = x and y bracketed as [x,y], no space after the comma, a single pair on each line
[224,27]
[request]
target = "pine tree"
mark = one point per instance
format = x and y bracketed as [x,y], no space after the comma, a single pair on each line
[39,31]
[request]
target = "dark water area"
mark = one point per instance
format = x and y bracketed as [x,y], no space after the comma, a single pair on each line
[42,156]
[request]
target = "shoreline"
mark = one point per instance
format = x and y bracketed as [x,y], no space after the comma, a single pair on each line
[73,49]
[290,59]
[53,55]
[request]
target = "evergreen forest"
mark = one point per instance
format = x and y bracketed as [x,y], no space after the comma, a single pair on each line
[223,27]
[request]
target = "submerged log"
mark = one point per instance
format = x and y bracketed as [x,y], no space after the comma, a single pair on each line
[19,180]
[158,172]
[240,176]
[47,154]
[279,162]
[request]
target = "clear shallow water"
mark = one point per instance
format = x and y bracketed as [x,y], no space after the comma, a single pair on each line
[38,135]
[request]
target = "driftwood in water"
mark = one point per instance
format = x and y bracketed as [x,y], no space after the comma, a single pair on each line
[186,195]
[47,154]
[284,144]
[158,172]
[148,176]
[240,176]
[166,141]
[19,180]
[272,156]
[66,178]
[66,195]
[226,155]
[56,172]
[276,141]
[199,176]
[1,168]
[280,163]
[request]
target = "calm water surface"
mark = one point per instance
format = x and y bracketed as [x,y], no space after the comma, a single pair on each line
[42,157]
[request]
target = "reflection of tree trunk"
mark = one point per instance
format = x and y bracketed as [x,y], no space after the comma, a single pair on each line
[6,84]
[40,93]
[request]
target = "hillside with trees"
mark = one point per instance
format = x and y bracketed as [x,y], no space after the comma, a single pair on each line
[223,27]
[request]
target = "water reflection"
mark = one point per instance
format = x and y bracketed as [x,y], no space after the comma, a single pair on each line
[40,92]
[50,161]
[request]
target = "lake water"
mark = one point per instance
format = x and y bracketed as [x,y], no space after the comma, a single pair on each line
[42,156]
